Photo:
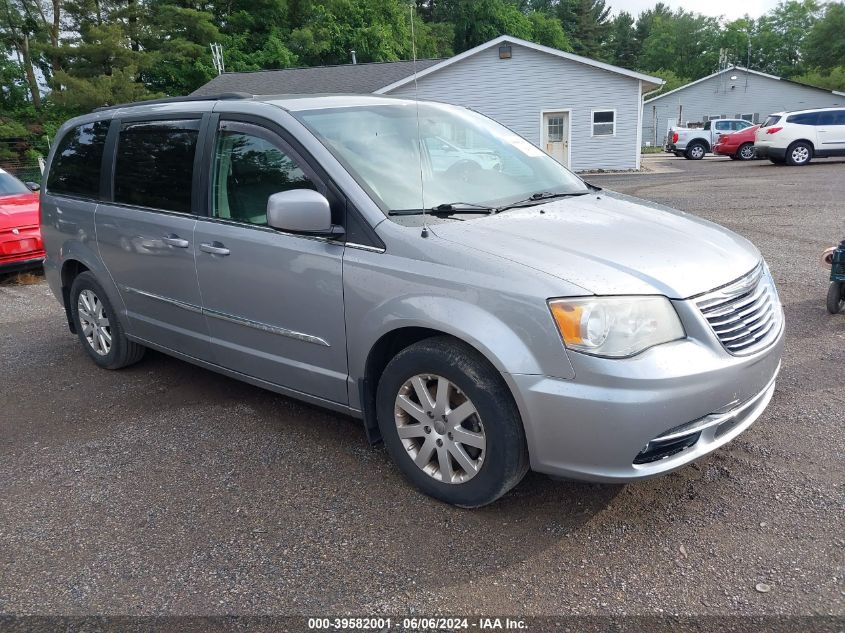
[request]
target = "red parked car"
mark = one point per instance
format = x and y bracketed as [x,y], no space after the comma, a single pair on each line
[738,145]
[20,233]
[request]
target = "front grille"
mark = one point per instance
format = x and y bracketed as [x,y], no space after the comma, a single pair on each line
[746,315]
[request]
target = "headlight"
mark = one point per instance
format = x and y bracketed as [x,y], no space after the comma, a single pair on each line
[616,326]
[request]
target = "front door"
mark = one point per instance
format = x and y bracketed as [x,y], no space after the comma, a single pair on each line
[146,235]
[273,301]
[556,136]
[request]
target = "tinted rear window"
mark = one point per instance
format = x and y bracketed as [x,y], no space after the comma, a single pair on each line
[154,164]
[806,118]
[771,120]
[832,117]
[75,169]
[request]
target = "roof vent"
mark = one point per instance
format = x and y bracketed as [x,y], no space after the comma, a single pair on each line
[505,51]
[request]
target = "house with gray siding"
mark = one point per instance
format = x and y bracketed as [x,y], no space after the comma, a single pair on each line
[733,93]
[585,113]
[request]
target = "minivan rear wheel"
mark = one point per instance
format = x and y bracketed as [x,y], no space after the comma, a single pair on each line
[97,326]
[450,423]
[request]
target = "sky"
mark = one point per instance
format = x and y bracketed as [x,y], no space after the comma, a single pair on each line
[731,9]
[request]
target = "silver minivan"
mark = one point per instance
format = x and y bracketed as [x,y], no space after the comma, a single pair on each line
[418,266]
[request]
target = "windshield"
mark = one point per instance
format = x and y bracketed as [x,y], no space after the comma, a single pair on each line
[457,155]
[9,185]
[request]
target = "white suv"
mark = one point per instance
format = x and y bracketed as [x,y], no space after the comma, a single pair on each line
[796,137]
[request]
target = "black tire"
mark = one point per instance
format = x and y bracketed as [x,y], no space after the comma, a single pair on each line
[678,154]
[733,157]
[695,151]
[745,152]
[835,297]
[121,352]
[799,154]
[505,457]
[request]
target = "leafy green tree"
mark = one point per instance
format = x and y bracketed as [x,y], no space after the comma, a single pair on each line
[685,43]
[622,47]
[824,46]
[478,21]
[782,32]
[177,40]
[587,22]
[547,30]
[832,79]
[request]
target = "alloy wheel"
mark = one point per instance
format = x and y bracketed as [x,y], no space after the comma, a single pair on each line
[747,152]
[800,154]
[440,428]
[697,152]
[95,324]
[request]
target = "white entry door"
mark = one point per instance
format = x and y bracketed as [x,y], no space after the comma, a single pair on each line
[556,136]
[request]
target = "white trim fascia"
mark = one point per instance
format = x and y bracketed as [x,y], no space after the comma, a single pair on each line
[537,47]
[640,106]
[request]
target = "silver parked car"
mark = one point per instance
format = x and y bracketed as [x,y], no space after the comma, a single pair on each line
[479,320]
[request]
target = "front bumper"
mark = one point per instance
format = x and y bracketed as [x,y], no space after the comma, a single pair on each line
[618,419]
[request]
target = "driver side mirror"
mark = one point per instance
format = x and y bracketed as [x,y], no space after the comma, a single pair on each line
[302,211]
[32,186]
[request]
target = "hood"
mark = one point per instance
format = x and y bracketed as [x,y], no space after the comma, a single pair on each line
[18,210]
[612,244]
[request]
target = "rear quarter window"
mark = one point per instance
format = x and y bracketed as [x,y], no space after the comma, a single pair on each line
[75,169]
[770,120]
[805,118]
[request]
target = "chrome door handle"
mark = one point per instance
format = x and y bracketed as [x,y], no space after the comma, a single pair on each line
[175,240]
[214,248]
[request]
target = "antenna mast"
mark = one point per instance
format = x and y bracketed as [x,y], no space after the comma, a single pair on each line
[217,57]
[419,133]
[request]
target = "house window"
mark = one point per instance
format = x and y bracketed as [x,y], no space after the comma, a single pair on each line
[747,117]
[604,122]
[554,134]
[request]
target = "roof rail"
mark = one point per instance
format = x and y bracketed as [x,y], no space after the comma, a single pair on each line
[225,96]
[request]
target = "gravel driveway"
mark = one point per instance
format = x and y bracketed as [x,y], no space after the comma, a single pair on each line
[168,489]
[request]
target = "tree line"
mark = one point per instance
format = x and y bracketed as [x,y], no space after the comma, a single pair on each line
[63,57]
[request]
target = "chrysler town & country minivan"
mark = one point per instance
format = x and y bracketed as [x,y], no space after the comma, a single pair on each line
[482,315]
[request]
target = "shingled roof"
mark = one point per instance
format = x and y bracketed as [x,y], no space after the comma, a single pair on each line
[347,78]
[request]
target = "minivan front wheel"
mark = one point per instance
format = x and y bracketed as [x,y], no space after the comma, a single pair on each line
[97,326]
[450,424]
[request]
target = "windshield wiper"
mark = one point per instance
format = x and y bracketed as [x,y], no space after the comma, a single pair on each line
[540,197]
[447,209]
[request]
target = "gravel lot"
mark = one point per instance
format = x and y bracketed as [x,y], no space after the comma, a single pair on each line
[168,489]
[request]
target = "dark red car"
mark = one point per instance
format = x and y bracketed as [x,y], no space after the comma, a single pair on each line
[20,234]
[738,145]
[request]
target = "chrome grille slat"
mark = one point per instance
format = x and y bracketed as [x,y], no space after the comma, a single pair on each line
[745,315]
[736,306]
[745,325]
[748,331]
[732,317]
